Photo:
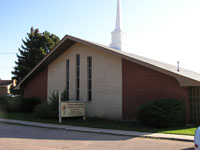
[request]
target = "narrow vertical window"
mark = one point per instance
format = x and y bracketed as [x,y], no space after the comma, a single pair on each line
[77,77]
[67,79]
[89,78]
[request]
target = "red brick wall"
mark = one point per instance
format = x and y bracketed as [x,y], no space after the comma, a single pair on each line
[141,84]
[37,86]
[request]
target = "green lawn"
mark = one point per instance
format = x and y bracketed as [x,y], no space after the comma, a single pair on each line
[101,123]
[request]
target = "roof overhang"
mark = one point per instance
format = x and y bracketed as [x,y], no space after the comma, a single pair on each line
[68,41]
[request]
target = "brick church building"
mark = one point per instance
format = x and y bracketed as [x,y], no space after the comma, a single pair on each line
[111,82]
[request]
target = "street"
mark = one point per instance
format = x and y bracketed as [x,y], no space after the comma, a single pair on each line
[19,137]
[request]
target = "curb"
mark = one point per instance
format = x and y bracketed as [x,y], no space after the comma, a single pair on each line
[185,138]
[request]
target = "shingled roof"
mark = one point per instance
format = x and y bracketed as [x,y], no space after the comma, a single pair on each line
[5,82]
[185,77]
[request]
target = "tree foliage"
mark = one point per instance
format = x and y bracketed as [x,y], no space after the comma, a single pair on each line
[33,49]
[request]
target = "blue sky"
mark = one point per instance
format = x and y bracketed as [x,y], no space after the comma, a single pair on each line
[165,30]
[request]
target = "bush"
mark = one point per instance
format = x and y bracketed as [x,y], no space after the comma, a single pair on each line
[10,104]
[3,102]
[162,113]
[14,104]
[18,104]
[49,111]
[29,104]
[44,111]
[54,101]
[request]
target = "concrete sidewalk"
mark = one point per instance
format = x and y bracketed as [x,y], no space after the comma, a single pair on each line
[104,131]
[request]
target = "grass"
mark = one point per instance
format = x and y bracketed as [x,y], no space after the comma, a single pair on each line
[101,123]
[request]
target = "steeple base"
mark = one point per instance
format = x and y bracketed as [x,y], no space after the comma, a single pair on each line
[118,37]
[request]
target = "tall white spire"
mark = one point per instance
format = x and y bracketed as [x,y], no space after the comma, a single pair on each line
[118,17]
[118,36]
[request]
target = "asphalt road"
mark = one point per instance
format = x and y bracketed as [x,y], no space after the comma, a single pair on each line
[18,137]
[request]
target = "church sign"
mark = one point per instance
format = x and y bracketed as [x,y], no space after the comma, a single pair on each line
[72,109]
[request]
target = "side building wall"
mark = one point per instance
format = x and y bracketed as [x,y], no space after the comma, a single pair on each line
[141,84]
[37,86]
[3,91]
[106,80]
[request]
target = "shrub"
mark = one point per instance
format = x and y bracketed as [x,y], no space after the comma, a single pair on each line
[18,104]
[29,104]
[64,95]
[54,100]
[3,102]
[14,104]
[162,113]
[50,110]
[44,111]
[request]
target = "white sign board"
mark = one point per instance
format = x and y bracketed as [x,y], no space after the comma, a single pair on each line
[70,109]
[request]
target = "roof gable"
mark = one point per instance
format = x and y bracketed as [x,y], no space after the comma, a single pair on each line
[185,77]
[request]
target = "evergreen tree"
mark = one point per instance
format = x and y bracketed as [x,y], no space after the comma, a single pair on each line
[34,48]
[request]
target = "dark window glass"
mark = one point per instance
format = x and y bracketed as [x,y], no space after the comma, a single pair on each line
[89,62]
[78,69]
[67,75]
[68,64]
[78,60]
[67,95]
[77,94]
[89,78]
[67,80]
[90,73]
[89,95]
[78,73]
[78,83]
[89,84]
[67,85]
[77,77]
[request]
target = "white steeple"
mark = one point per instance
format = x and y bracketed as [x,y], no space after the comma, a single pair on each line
[118,36]
[118,17]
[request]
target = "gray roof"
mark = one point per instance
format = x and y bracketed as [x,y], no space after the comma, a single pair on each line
[5,82]
[185,77]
